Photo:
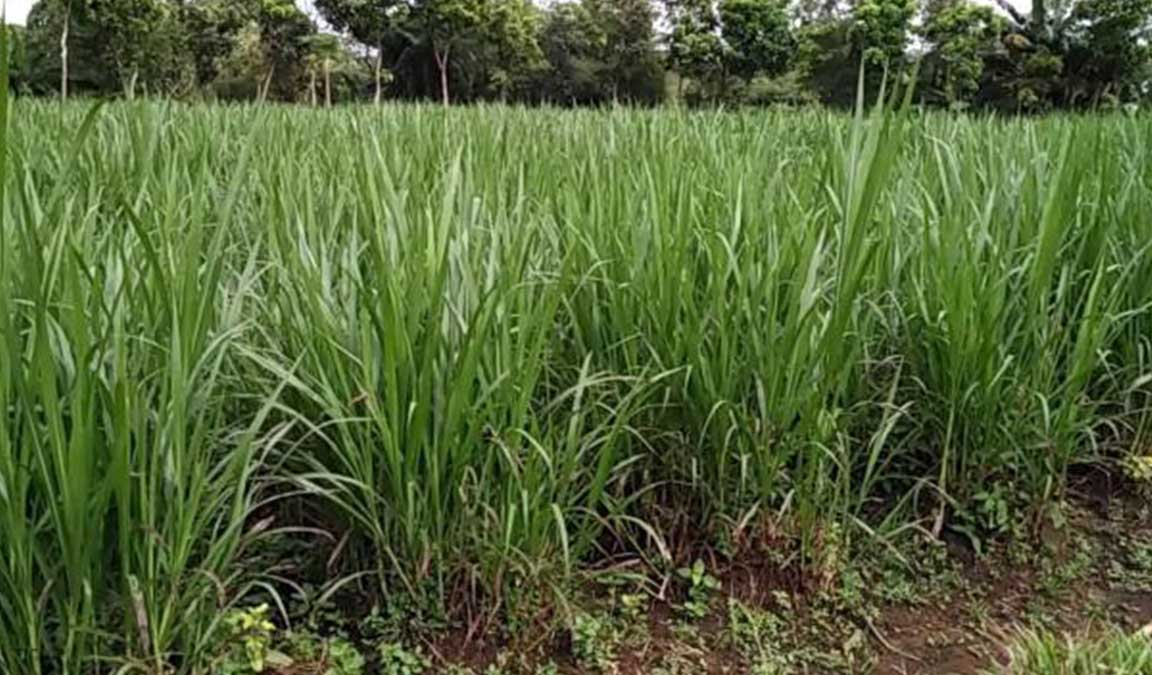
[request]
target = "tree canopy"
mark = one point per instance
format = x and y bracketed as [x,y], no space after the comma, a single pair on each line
[1072,54]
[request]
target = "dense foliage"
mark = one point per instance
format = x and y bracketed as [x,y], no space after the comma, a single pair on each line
[466,353]
[1081,53]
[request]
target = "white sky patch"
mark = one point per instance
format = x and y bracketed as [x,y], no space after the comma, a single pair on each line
[16,11]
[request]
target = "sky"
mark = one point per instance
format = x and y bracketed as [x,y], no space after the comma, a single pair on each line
[17,10]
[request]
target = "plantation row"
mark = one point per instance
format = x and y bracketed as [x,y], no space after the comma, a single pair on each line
[485,348]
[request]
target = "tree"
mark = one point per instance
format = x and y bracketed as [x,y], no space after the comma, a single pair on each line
[960,36]
[810,12]
[484,46]
[759,36]
[831,52]
[284,34]
[370,22]
[67,8]
[212,31]
[132,29]
[629,64]
[445,25]
[17,57]
[1109,49]
[328,58]
[266,54]
[66,51]
[880,31]
[571,43]
[168,46]
[511,51]
[695,49]
[1031,67]
[240,74]
[323,49]
[1072,53]
[65,27]
[598,51]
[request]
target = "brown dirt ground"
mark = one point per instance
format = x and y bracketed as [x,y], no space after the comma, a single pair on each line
[969,634]
[964,631]
[1080,586]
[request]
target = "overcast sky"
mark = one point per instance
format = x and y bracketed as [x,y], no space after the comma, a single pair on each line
[17,10]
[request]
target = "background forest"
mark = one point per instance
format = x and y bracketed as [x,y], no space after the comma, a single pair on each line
[1065,54]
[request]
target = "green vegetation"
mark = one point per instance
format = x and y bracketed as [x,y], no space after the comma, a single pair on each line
[468,355]
[1047,654]
[1080,54]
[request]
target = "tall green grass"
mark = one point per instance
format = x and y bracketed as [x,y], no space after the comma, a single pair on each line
[488,348]
[1047,654]
[127,462]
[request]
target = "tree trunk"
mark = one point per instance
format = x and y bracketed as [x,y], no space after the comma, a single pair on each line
[1017,17]
[312,85]
[64,50]
[130,88]
[442,63]
[265,86]
[327,84]
[1040,20]
[379,72]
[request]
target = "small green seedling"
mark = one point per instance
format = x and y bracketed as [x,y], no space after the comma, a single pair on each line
[593,641]
[701,586]
[250,641]
[396,659]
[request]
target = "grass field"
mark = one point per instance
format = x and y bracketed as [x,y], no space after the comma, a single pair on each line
[473,355]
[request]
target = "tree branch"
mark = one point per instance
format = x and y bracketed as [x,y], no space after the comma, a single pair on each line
[1020,20]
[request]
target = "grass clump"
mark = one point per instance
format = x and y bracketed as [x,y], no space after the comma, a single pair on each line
[481,352]
[1050,654]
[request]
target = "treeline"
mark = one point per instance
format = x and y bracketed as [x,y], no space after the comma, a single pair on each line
[1077,53]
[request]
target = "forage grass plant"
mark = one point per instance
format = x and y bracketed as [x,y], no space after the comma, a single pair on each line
[420,327]
[492,348]
[126,473]
[749,284]
[1034,653]
[1015,305]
